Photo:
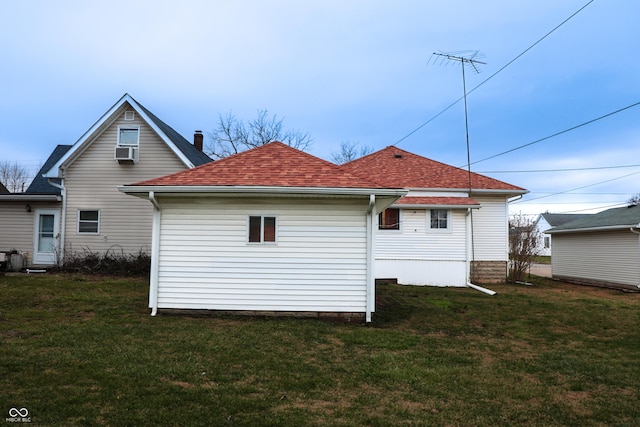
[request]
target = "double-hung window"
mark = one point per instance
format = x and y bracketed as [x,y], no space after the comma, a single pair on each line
[128,136]
[262,229]
[89,222]
[439,219]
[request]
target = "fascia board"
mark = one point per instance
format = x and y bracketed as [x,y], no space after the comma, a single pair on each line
[162,135]
[78,146]
[473,190]
[252,190]
[592,229]
[30,198]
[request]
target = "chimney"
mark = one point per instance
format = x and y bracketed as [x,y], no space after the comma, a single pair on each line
[198,139]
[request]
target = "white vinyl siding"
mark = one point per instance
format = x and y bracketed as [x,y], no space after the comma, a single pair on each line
[416,255]
[92,181]
[318,264]
[611,257]
[491,229]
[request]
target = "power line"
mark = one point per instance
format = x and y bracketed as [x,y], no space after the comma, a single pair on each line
[575,189]
[563,170]
[558,133]
[493,75]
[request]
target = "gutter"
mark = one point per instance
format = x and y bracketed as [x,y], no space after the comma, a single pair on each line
[371,289]
[580,230]
[63,216]
[176,190]
[155,255]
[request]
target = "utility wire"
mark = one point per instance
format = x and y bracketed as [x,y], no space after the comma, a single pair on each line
[575,189]
[559,133]
[563,170]
[492,75]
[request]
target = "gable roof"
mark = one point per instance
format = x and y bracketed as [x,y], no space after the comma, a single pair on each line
[395,167]
[270,165]
[185,151]
[40,184]
[558,219]
[3,189]
[612,219]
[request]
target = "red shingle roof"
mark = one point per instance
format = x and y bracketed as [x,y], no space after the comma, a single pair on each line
[271,165]
[394,167]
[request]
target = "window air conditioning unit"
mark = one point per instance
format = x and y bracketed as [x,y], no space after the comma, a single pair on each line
[125,154]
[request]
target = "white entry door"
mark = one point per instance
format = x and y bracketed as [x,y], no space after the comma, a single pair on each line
[46,237]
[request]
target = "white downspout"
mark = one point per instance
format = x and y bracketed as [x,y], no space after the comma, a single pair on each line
[635,231]
[468,258]
[371,288]
[63,216]
[155,256]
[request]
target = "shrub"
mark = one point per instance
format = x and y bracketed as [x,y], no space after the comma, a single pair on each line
[110,263]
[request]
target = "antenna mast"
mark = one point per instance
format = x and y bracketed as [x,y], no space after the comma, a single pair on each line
[465,60]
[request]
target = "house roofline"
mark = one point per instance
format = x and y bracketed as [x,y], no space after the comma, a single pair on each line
[593,229]
[78,147]
[143,190]
[25,197]
[513,192]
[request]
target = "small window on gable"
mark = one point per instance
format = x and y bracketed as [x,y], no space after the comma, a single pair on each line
[439,219]
[389,219]
[262,229]
[129,115]
[128,137]
[89,222]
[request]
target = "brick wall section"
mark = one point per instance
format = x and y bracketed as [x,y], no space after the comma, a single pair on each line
[489,272]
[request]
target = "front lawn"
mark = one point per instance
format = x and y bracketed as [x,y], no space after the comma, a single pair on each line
[79,351]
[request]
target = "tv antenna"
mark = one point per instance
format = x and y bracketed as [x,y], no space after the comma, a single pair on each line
[466,59]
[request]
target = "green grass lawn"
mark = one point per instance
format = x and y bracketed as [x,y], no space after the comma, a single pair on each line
[79,351]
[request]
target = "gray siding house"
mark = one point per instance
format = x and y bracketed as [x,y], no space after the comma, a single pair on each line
[547,221]
[601,249]
[74,204]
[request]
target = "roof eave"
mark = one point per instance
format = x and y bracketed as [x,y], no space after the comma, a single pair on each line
[261,190]
[25,197]
[506,192]
[435,206]
[592,229]
[78,146]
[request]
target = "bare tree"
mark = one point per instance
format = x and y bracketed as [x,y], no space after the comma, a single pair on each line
[635,200]
[349,151]
[523,246]
[13,176]
[232,136]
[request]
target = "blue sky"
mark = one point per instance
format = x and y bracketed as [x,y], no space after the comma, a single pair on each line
[359,71]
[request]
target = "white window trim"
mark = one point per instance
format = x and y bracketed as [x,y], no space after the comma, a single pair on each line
[129,115]
[262,216]
[89,233]
[121,128]
[438,230]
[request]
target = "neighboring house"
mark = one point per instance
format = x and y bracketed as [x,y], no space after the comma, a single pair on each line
[3,189]
[545,222]
[74,205]
[27,218]
[441,233]
[271,229]
[601,249]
